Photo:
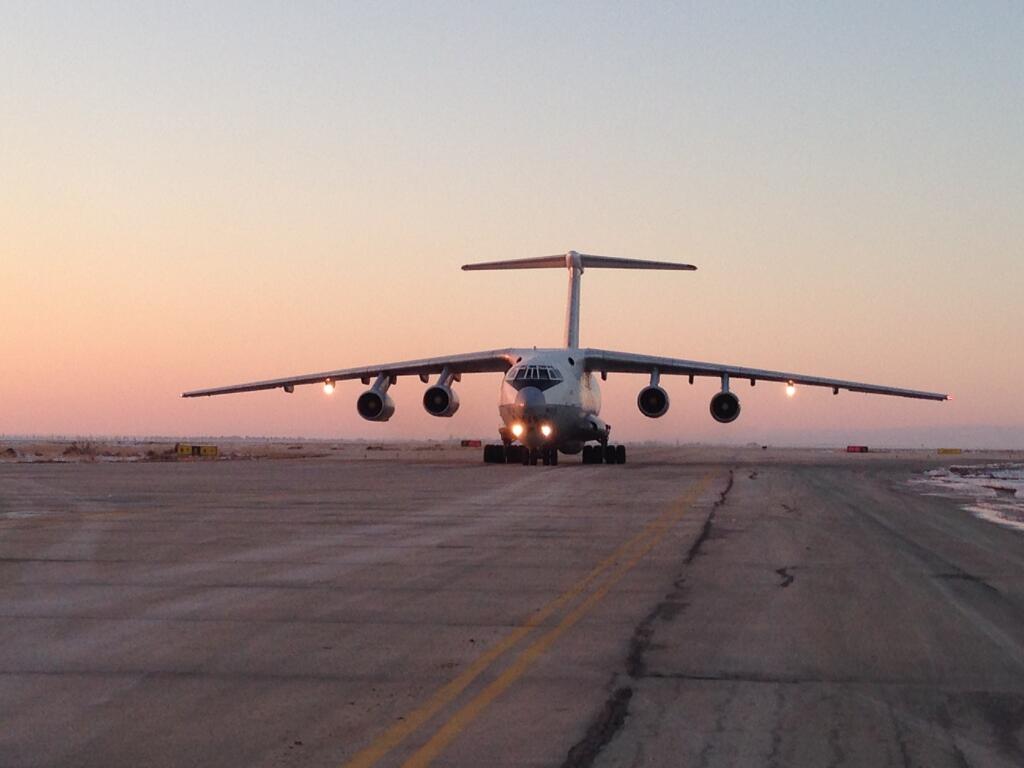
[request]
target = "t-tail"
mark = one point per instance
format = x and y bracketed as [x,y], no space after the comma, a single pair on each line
[576,263]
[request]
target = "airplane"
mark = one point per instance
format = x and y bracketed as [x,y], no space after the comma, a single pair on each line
[550,399]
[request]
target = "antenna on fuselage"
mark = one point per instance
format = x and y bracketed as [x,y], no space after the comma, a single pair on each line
[575,263]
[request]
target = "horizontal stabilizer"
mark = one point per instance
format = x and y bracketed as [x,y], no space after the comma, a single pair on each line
[538,262]
[611,262]
[573,259]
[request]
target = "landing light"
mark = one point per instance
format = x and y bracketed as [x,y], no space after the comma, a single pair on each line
[790,389]
[545,429]
[517,430]
[328,387]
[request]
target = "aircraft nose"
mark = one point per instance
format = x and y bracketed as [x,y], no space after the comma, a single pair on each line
[530,398]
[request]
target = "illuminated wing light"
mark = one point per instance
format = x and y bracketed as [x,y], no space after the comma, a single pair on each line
[790,389]
[517,429]
[545,429]
[329,387]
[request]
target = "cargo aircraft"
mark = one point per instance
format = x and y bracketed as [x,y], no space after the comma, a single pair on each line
[550,399]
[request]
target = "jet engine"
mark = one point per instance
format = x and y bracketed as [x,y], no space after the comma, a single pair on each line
[652,401]
[725,407]
[441,400]
[374,405]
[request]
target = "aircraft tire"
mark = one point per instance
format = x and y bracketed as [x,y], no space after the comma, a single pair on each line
[488,454]
[554,457]
[609,454]
[585,455]
[620,454]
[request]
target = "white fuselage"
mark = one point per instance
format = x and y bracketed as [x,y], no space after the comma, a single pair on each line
[548,390]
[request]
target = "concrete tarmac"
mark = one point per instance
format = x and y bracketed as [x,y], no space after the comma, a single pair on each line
[725,607]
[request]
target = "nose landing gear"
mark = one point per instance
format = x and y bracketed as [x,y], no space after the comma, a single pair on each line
[546,456]
[520,454]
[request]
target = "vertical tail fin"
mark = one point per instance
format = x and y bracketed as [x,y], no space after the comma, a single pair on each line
[576,263]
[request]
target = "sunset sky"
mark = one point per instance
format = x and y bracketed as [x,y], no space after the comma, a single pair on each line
[197,194]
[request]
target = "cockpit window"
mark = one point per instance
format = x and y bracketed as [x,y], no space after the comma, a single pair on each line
[540,376]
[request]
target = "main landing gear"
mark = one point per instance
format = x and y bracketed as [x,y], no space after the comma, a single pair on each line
[494,454]
[604,454]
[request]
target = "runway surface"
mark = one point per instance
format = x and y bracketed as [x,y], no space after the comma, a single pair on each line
[719,608]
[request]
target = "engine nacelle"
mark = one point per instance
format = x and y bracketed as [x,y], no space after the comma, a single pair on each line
[725,407]
[652,401]
[375,406]
[441,400]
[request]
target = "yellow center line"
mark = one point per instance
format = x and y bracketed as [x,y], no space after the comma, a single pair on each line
[393,736]
[458,722]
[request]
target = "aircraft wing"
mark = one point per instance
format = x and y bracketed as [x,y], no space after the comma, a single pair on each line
[606,361]
[473,362]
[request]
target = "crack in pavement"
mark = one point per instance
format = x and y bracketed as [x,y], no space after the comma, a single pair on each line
[721,720]
[898,735]
[965,576]
[708,522]
[787,577]
[612,716]
[772,759]
[945,720]
[601,730]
